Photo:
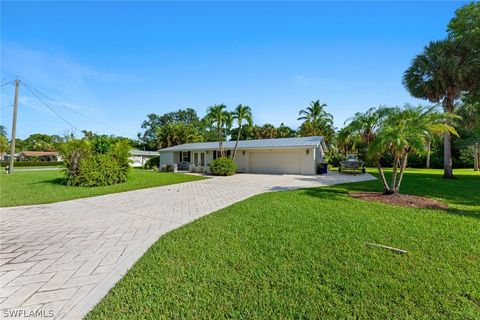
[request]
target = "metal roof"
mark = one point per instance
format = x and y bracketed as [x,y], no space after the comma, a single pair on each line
[143,153]
[280,143]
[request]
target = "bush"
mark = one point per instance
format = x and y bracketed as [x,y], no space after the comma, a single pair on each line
[5,163]
[153,162]
[223,167]
[87,165]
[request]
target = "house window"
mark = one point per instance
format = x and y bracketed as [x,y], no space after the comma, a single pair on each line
[202,159]
[186,156]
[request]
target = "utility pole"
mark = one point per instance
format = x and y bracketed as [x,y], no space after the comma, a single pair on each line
[14,127]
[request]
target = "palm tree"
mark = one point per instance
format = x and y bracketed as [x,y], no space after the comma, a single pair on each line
[268,131]
[403,132]
[241,114]
[316,120]
[3,131]
[285,132]
[441,73]
[365,124]
[221,119]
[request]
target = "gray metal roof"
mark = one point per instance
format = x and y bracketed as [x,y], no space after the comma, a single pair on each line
[143,153]
[280,143]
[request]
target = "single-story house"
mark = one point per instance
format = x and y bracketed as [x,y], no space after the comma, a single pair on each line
[279,156]
[42,155]
[139,157]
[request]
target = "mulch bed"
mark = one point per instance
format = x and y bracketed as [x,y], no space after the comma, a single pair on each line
[403,200]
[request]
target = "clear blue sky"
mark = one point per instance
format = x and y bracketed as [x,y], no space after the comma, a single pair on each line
[117,61]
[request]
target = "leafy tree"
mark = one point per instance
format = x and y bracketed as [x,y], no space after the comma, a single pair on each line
[402,132]
[173,134]
[186,116]
[441,73]
[285,132]
[241,114]
[221,121]
[268,131]
[4,145]
[466,24]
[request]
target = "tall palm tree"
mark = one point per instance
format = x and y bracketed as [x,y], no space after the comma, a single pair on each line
[405,131]
[221,119]
[441,73]
[241,114]
[316,121]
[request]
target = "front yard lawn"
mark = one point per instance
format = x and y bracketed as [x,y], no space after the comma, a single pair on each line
[36,187]
[302,254]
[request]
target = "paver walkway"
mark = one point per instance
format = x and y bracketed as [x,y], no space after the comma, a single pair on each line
[60,259]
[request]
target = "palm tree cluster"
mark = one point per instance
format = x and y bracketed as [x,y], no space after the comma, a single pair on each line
[449,70]
[398,133]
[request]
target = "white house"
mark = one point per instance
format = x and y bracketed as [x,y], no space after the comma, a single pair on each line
[139,157]
[283,156]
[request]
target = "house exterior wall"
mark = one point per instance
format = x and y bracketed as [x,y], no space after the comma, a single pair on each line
[294,160]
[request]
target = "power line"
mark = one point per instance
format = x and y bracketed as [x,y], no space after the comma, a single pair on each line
[8,82]
[50,108]
[83,115]
[6,107]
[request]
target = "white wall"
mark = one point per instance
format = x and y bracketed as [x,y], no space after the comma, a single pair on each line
[166,158]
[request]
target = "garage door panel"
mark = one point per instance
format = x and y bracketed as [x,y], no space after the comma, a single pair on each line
[275,162]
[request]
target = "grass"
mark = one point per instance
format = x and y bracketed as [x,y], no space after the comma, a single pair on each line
[302,254]
[36,187]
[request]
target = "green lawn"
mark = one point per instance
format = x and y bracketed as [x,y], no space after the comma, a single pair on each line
[35,187]
[302,254]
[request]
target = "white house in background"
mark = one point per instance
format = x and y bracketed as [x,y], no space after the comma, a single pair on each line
[139,157]
[281,156]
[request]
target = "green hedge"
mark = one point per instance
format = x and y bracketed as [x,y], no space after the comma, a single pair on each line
[153,162]
[5,163]
[223,167]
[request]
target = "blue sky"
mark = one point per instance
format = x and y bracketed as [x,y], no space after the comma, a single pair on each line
[116,62]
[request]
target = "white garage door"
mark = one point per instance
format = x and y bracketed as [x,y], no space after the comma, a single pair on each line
[276,162]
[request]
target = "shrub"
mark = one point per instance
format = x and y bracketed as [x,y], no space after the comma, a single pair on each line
[223,167]
[5,163]
[87,165]
[153,162]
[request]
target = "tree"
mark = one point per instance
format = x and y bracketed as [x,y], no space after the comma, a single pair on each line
[241,114]
[173,134]
[221,120]
[3,131]
[284,131]
[466,24]
[4,145]
[402,132]
[186,116]
[316,121]
[441,73]
[268,131]
[361,129]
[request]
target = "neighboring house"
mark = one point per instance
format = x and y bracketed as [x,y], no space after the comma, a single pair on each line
[42,155]
[282,156]
[139,157]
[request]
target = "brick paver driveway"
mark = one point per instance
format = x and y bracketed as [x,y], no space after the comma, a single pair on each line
[60,259]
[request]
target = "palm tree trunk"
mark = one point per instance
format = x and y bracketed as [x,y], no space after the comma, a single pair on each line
[429,146]
[402,171]
[394,172]
[386,188]
[220,141]
[236,143]
[447,143]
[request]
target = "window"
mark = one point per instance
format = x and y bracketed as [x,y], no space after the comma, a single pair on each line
[186,156]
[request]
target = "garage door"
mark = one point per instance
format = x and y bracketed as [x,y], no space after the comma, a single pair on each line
[275,162]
